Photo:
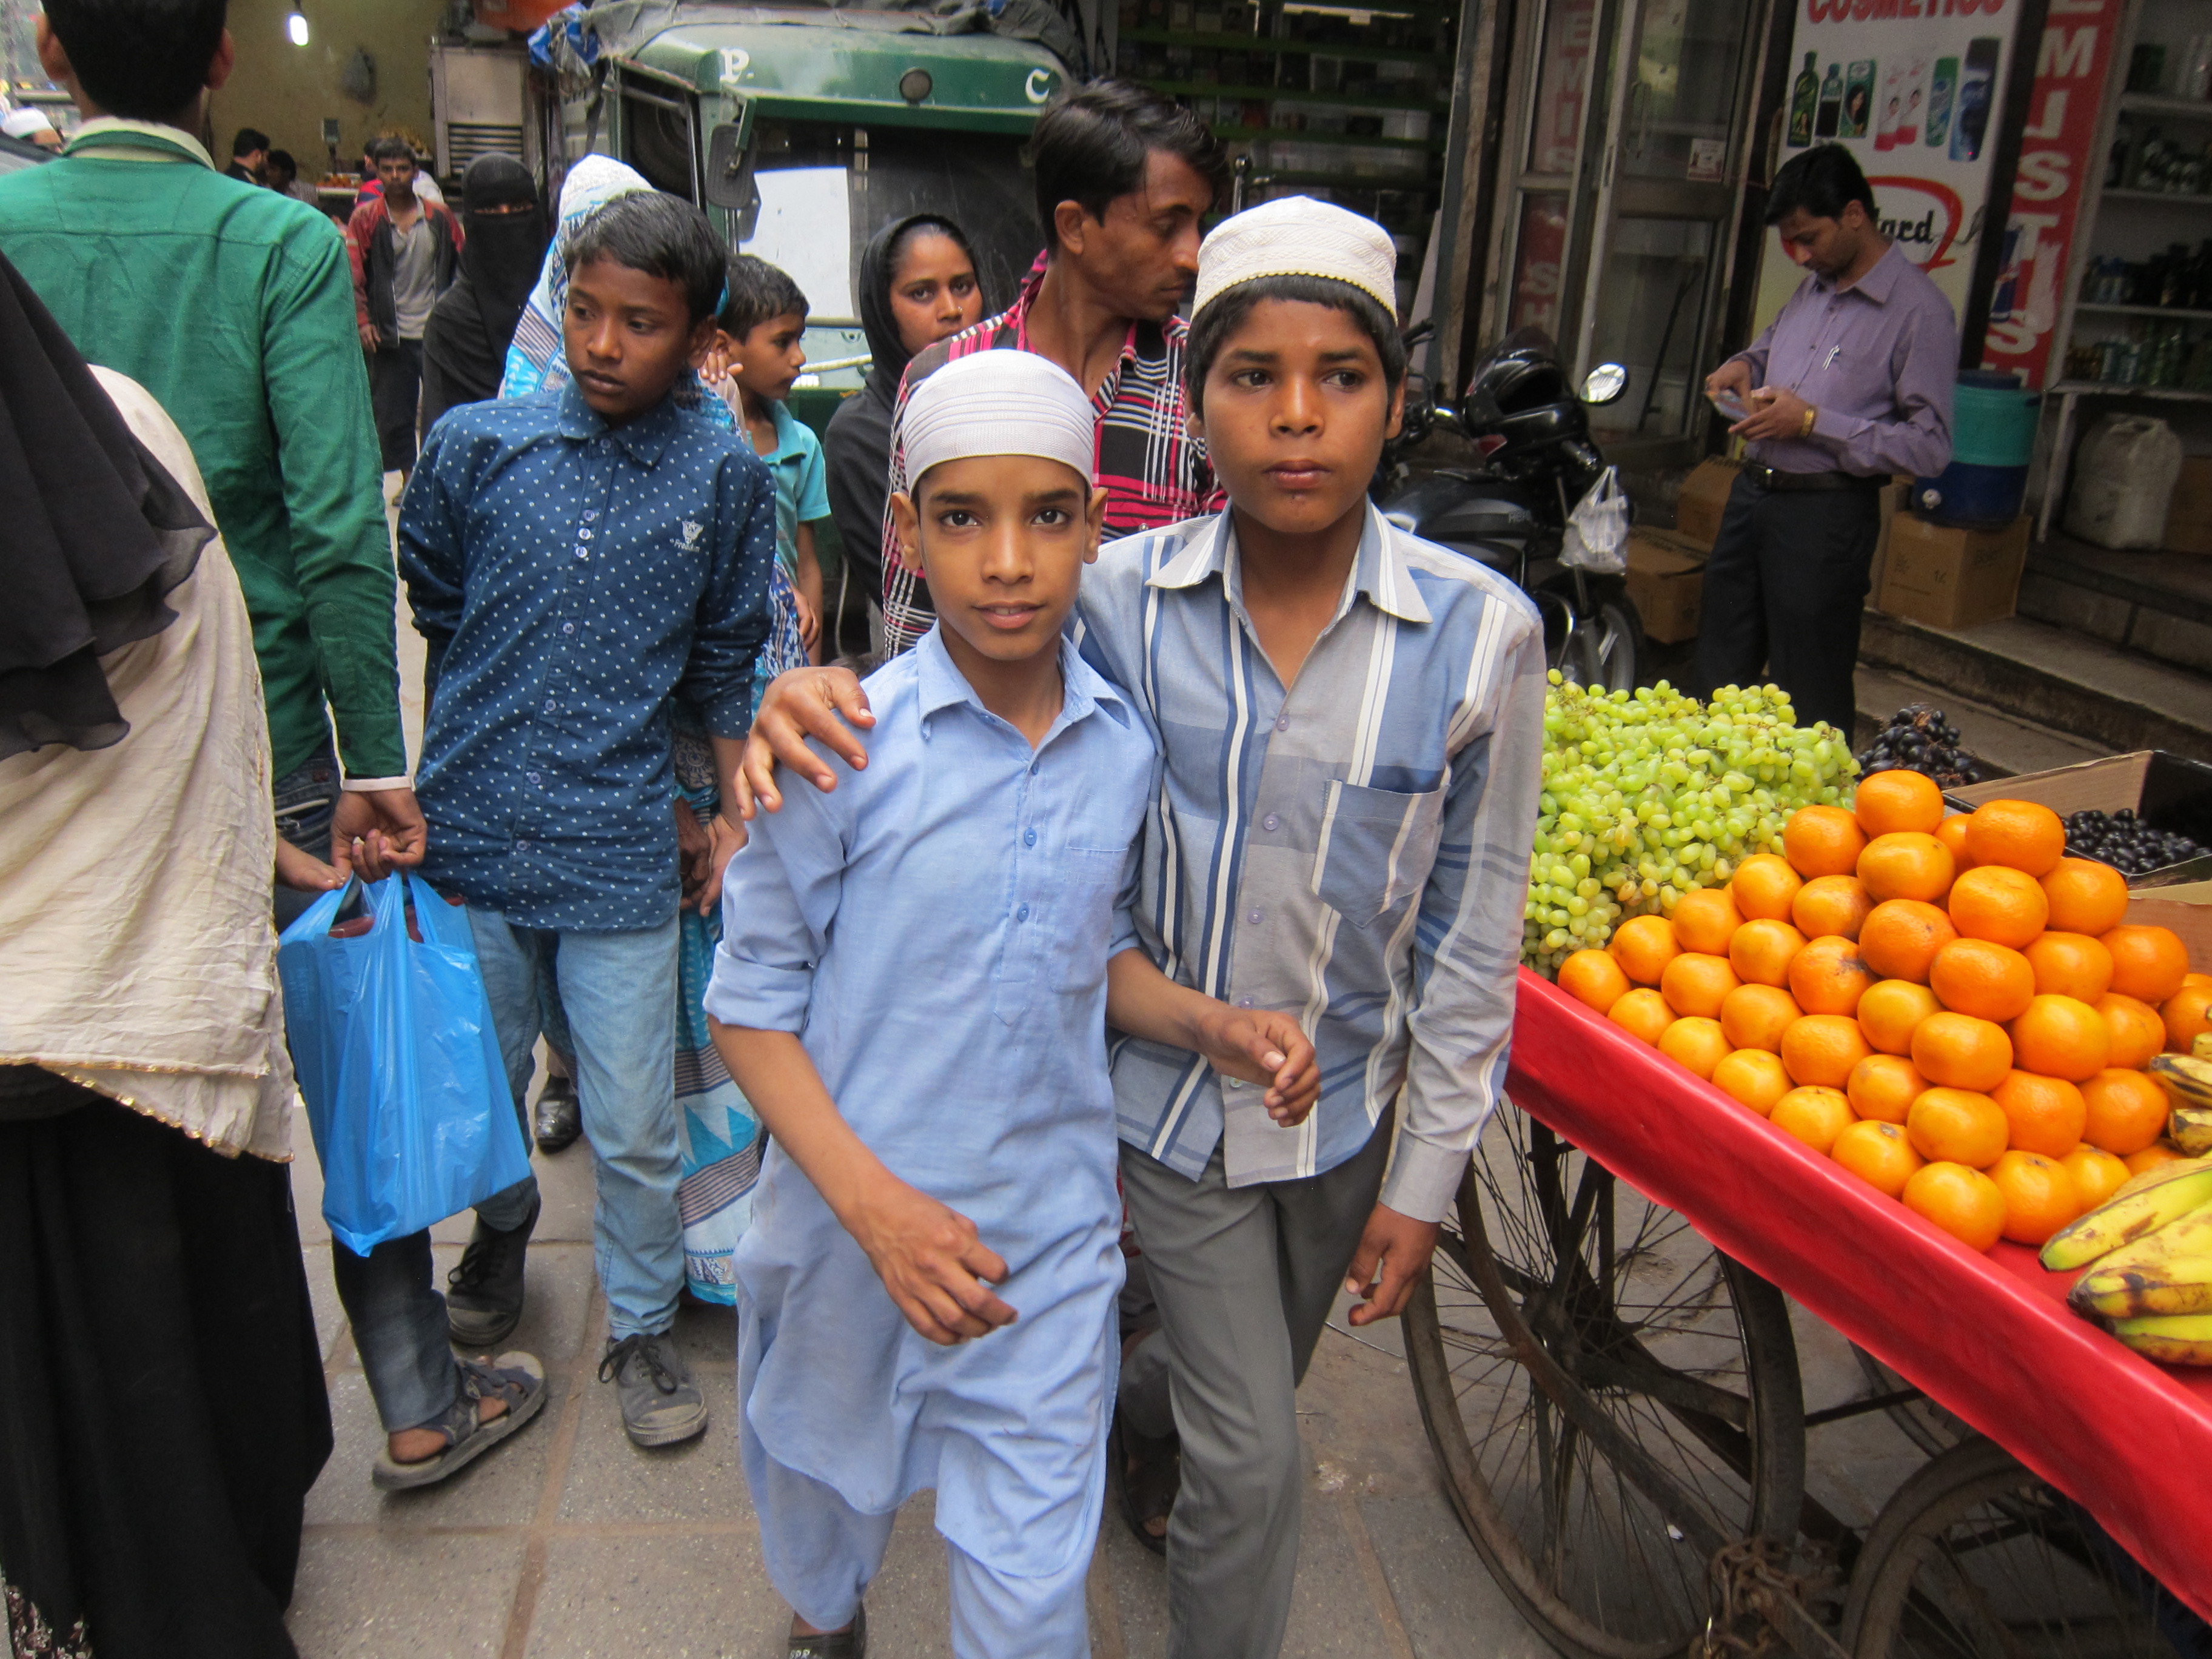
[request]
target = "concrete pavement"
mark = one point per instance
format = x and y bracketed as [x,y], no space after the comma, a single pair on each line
[568,1543]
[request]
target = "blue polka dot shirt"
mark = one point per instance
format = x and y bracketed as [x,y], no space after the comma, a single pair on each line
[570,578]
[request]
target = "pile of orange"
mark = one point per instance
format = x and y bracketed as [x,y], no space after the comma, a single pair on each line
[1949,1006]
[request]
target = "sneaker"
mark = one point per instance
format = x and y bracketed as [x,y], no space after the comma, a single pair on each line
[661,1403]
[560,1116]
[484,1295]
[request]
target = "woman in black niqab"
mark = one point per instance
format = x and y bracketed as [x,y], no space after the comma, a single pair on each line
[465,342]
[97,534]
[917,285]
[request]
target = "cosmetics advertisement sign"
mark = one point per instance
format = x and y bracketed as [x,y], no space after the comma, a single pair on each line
[1914,90]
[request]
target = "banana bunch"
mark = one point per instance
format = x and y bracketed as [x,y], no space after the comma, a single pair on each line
[2187,1080]
[2148,1249]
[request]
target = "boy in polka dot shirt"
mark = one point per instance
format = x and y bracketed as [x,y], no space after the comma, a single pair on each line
[576,559]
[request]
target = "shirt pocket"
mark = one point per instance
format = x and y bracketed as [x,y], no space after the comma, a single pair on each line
[1376,848]
[1089,881]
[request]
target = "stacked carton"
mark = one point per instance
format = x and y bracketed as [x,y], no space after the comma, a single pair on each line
[1667,567]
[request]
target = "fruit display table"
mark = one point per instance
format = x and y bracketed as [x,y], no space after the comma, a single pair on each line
[1987,1337]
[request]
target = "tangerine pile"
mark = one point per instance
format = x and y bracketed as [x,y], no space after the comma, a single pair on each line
[1949,1006]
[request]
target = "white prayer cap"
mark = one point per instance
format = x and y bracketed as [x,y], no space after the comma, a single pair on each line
[1297,236]
[22,123]
[1002,402]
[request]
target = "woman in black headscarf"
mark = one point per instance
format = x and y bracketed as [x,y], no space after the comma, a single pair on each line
[162,1411]
[465,342]
[917,286]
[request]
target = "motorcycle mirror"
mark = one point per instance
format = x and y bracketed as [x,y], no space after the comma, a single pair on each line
[1605,384]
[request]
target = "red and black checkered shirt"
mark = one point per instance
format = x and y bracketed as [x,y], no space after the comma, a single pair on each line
[1153,472]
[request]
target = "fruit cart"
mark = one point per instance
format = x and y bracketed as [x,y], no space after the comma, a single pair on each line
[1607,1368]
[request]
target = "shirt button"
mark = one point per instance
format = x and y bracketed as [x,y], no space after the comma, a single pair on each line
[1233,1083]
[567,627]
[522,846]
[583,535]
[535,779]
[1282,722]
[548,709]
[1029,837]
[583,552]
[1253,916]
[1021,915]
[1271,822]
[1243,1002]
[590,514]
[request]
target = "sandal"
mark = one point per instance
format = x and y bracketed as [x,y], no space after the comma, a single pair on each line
[516,1378]
[1149,1472]
[843,1645]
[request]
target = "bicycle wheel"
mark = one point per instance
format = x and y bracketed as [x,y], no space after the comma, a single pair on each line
[1976,1558]
[1611,1399]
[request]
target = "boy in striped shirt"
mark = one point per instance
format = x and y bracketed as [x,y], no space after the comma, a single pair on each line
[1350,720]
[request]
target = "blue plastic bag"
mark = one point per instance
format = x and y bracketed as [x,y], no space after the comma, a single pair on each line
[398,1062]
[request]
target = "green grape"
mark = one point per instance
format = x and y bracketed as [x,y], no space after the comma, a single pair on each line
[1648,795]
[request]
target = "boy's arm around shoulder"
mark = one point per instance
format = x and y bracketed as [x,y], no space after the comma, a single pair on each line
[781,896]
[1466,941]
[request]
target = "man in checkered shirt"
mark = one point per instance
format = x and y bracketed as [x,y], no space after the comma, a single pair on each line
[1123,179]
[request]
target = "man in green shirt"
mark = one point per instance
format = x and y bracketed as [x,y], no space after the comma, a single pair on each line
[234,308]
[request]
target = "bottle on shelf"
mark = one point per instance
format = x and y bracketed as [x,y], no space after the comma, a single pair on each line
[1804,104]
[1943,97]
[1831,107]
[1858,99]
[1976,87]
[1916,97]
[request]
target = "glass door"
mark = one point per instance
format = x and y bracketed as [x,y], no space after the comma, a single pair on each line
[1664,208]
[1624,196]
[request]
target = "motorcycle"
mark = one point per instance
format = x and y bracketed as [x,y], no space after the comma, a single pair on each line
[1528,460]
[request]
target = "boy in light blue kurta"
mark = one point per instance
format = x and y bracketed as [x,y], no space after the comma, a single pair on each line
[913,989]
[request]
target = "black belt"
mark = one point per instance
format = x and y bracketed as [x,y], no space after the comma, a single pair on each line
[1767,477]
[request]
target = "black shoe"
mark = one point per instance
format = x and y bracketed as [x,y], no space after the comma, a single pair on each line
[560,1117]
[661,1403]
[484,1295]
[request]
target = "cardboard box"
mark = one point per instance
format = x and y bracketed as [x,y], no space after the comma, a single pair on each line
[1666,583]
[2169,792]
[2187,909]
[1950,577]
[2188,516]
[1895,496]
[1704,495]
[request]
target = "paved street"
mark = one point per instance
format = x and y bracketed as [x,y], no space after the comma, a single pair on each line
[568,1543]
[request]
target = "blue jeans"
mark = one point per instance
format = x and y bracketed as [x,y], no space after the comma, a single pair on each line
[398,1318]
[619,992]
[305,799]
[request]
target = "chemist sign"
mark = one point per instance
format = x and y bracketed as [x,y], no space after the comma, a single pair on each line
[1915,90]
[2057,142]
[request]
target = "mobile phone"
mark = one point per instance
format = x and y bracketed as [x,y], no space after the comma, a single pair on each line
[1730,406]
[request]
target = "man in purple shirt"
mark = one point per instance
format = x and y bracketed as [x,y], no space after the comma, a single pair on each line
[1849,384]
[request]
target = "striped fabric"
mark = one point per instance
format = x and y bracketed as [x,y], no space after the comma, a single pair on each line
[1354,850]
[1153,470]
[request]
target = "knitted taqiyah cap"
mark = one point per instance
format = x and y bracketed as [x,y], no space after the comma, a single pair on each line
[1297,236]
[999,402]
